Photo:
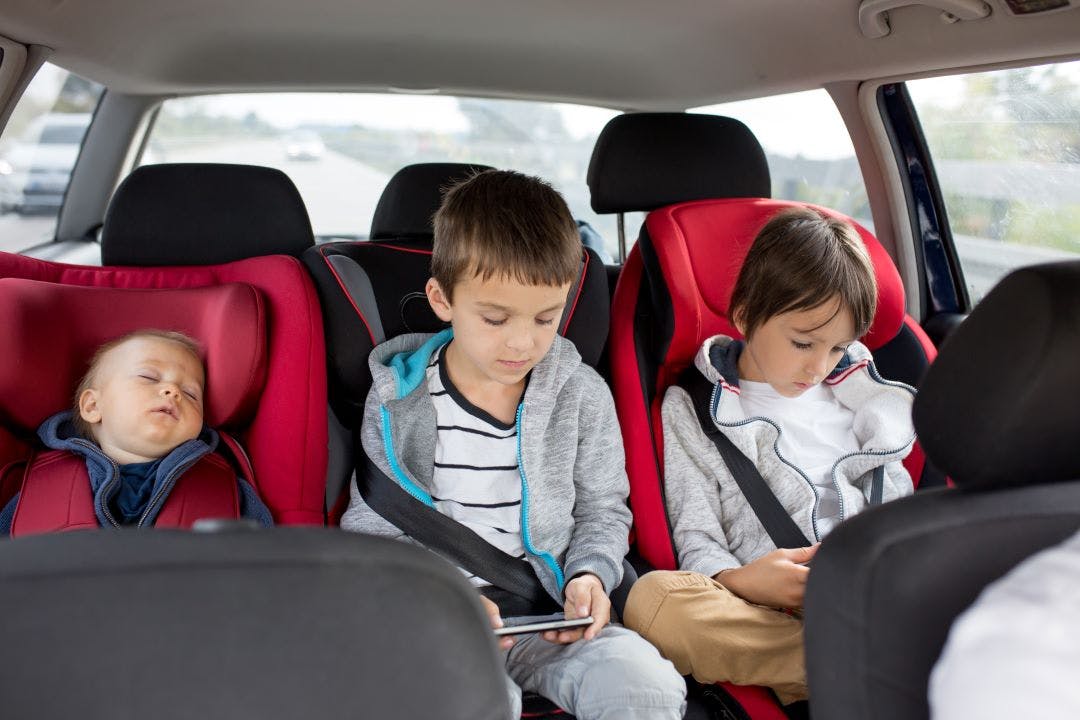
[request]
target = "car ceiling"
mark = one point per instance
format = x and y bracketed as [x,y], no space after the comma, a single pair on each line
[629,54]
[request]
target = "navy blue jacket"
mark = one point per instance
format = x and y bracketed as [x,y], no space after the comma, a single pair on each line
[58,433]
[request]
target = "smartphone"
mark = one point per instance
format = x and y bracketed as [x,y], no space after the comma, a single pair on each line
[543,626]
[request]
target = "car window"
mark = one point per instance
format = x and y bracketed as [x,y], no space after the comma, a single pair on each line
[1006,152]
[341,149]
[810,155]
[38,149]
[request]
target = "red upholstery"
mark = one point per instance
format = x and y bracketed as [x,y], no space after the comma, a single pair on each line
[53,330]
[699,247]
[284,429]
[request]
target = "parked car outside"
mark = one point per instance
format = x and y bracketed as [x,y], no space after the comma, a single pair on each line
[34,171]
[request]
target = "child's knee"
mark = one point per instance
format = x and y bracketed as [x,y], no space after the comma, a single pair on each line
[632,675]
[650,593]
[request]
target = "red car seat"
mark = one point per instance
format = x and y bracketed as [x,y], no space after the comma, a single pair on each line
[163,216]
[55,329]
[703,180]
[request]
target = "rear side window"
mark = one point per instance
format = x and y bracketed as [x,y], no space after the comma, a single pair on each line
[811,158]
[38,149]
[1006,151]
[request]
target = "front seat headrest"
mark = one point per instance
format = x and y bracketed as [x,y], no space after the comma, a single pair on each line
[410,199]
[203,214]
[643,161]
[999,405]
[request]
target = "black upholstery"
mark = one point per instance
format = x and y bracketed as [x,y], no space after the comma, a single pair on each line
[647,160]
[203,214]
[282,623]
[887,585]
[411,197]
[372,291]
[1013,367]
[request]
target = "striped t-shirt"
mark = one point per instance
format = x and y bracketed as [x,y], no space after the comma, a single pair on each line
[476,479]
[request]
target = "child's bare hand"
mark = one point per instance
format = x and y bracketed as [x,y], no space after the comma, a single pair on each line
[584,596]
[495,617]
[777,579]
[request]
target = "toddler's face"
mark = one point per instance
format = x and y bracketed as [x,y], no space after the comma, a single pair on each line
[146,398]
[502,327]
[794,351]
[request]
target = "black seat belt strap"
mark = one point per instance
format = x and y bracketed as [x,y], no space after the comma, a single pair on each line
[776,521]
[448,537]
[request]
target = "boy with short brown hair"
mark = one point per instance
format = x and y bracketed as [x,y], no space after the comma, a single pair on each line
[498,424]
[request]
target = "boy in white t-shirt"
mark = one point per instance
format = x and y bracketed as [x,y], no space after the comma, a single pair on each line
[802,400]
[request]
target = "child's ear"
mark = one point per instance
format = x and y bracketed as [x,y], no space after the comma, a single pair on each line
[738,319]
[88,406]
[438,300]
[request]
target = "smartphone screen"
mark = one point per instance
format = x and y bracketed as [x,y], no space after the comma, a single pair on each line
[542,626]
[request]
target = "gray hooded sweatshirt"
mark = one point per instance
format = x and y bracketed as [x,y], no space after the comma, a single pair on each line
[574,517]
[713,526]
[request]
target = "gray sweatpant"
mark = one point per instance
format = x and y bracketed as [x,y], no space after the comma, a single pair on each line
[617,674]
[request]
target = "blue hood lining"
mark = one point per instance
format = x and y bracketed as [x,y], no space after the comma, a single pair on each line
[409,367]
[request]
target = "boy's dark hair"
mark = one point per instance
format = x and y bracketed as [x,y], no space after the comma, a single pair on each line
[185,341]
[504,223]
[799,260]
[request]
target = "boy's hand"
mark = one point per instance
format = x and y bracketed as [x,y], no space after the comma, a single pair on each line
[584,596]
[495,617]
[777,579]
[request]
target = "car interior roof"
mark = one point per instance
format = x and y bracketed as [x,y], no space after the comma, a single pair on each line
[626,54]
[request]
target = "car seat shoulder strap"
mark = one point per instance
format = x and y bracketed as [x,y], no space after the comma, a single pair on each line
[207,490]
[54,496]
[776,521]
[447,537]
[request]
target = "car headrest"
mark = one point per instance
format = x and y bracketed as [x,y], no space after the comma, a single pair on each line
[53,330]
[999,405]
[702,245]
[410,199]
[643,161]
[203,214]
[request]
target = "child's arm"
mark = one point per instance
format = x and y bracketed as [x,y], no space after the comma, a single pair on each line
[693,473]
[585,596]
[495,617]
[601,533]
[359,517]
[776,579]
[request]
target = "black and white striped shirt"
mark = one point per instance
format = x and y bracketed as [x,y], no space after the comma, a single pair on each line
[476,480]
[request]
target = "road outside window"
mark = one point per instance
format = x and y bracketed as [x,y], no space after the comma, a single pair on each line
[38,148]
[341,149]
[1006,150]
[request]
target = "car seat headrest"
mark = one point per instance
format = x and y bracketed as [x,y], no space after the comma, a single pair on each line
[203,214]
[999,405]
[703,245]
[643,161]
[53,330]
[410,199]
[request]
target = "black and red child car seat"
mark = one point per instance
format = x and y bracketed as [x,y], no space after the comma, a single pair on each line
[704,182]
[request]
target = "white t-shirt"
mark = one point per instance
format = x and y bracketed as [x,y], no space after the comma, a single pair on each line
[815,432]
[476,480]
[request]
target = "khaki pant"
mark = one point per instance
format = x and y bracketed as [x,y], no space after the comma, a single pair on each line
[710,633]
